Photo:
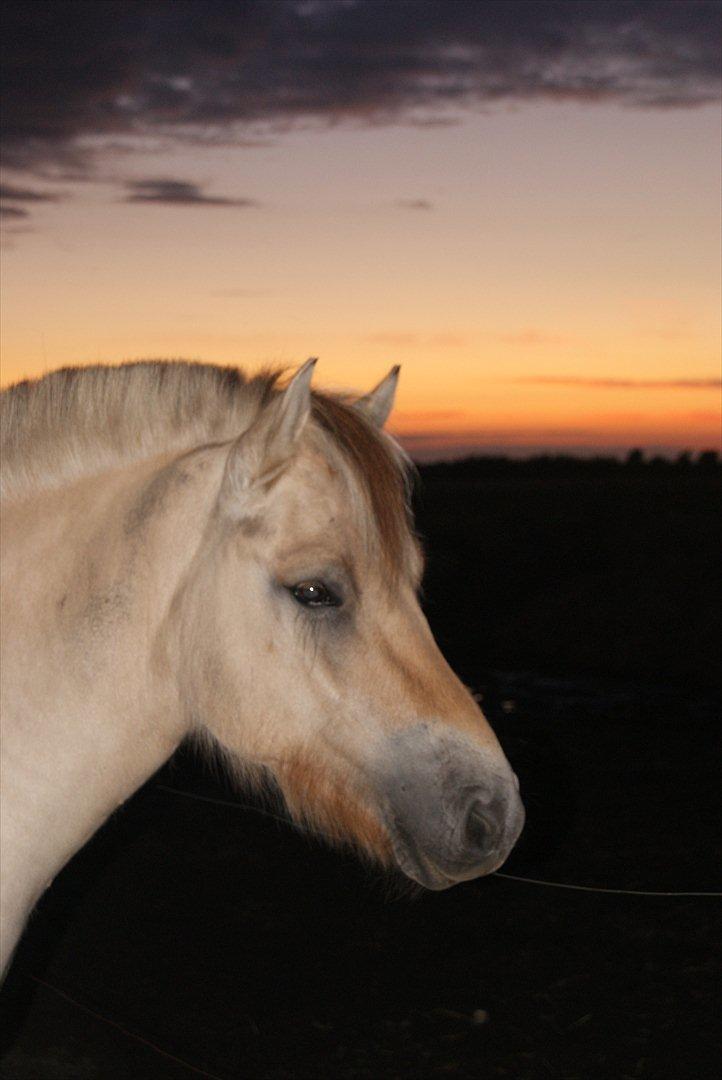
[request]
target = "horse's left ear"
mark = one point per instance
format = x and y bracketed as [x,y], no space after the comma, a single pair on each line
[378,403]
[262,452]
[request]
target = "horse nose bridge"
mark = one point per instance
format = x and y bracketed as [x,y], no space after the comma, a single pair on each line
[425,680]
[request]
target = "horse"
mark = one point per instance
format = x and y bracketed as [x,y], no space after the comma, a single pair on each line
[191,551]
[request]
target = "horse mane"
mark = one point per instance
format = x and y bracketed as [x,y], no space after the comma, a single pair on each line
[79,421]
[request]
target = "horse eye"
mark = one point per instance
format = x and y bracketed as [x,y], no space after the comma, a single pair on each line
[314,594]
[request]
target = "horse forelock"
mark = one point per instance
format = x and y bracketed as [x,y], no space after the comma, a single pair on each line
[382,473]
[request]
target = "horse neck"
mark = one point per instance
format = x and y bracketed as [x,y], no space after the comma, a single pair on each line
[90,699]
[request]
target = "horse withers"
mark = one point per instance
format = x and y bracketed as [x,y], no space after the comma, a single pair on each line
[187,551]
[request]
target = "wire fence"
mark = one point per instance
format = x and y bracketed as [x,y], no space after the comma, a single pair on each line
[200,1071]
[497,873]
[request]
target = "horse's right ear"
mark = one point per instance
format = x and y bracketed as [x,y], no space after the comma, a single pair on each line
[259,456]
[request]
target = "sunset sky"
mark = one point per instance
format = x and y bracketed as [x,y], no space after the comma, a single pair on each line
[517,202]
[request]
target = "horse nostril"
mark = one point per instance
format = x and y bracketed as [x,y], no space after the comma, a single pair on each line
[478,830]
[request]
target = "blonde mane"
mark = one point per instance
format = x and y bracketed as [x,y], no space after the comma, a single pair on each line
[77,422]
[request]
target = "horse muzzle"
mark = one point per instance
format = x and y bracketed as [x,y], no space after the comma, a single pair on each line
[452,809]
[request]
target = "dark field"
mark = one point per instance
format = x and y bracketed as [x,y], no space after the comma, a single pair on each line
[584,610]
[613,576]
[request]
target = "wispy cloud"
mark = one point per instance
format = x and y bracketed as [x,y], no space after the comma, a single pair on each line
[206,69]
[428,416]
[415,204]
[178,193]
[13,200]
[21,194]
[688,431]
[13,212]
[622,384]
[499,435]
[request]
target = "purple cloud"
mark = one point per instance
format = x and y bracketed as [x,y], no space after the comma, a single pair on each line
[178,193]
[209,68]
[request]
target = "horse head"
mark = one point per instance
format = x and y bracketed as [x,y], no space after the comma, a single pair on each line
[305,653]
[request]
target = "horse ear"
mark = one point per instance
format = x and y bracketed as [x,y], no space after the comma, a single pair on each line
[378,403]
[262,452]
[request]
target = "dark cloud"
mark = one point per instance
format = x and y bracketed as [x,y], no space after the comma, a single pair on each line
[13,212]
[16,194]
[177,193]
[623,384]
[217,68]
[13,195]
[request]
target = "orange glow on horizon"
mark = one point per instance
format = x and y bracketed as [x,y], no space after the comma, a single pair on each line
[560,288]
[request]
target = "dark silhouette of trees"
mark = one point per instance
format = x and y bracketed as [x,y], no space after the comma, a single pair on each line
[706,462]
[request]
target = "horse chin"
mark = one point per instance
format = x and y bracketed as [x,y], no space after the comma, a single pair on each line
[419,867]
